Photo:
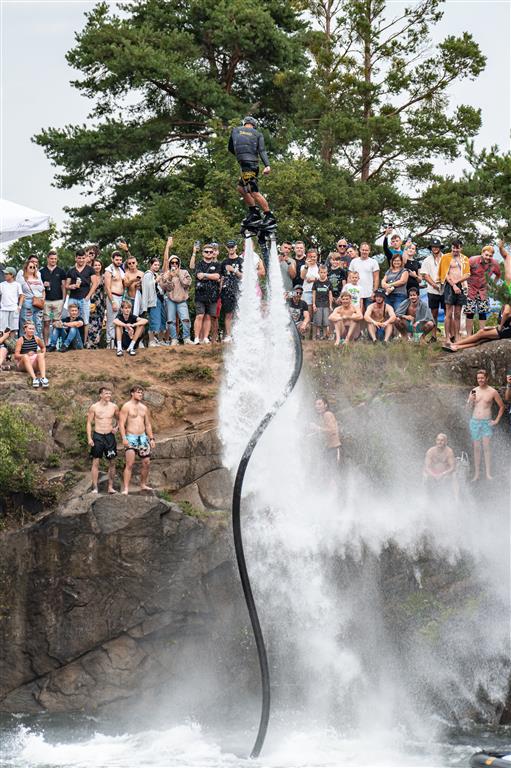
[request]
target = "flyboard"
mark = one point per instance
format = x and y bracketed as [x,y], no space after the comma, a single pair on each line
[271,246]
[494,759]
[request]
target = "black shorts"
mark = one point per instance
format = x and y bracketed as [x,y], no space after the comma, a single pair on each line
[452,298]
[229,302]
[435,301]
[505,333]
[248,178]
[104,445]
[205,307]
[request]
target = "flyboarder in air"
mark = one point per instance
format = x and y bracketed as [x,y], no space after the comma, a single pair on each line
[247,144]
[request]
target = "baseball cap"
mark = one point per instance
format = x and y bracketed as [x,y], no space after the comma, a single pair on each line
[379,292]
[231,243]
[10,271]
[435,242]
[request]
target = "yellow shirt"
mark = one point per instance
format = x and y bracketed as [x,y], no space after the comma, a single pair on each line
[445,263]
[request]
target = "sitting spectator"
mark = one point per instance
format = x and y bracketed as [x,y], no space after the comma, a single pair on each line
[299,310]
[414,317]
[29,354]
[380,318]
[207,292]
[482,268]
[322,302]
[33,291]
[97,307]
[440,467]
[502,331]
[128,329]
[4,335]
[232,272]
[353,288]
[11,300]
[150,303]
[82,281]
[176,282]
[394,282]
[70,331]
[369,272]
[54,281]
[346,319]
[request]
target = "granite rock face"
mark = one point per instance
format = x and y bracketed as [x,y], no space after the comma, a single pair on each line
[100,600]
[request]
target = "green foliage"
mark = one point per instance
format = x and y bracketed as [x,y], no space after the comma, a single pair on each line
[17,472]
[191,372]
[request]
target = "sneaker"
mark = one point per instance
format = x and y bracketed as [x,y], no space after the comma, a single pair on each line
[153,343]
[196,341]
[174,343]
[35,383]
[64,348]
[51,348]
[132,352]
[206,341]
[141,345]
[119,353]
[44,382]
[187,341]
[227,339]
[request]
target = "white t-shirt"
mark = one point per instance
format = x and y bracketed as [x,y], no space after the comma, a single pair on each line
[312,272]
[429,268]
[365,268]
[9,295]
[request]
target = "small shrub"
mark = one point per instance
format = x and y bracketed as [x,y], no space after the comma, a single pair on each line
[17,472]
[191,371]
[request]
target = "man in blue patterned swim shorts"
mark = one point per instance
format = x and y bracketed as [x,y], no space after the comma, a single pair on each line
[137,437]
[481,400]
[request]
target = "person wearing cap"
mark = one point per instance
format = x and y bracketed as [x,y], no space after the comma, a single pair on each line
[11,300]
[231,274]
[414,316]
[429,273]
[299,310]
[380,317]
[175,282]
[247,144]
[482,269]
[453,273]
[207,292]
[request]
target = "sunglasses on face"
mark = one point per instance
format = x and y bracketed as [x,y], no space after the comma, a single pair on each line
[207,251]
[174,262]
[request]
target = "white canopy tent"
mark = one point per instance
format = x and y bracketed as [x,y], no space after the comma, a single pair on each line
[18,221]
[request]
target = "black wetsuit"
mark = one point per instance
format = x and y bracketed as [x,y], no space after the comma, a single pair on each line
[247,145]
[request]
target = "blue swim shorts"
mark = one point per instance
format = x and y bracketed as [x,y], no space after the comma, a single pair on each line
[480,428]
[139,443]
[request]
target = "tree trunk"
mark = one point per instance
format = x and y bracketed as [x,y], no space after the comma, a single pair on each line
[366,142]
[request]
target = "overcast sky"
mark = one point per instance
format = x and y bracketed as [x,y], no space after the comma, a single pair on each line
[35,90]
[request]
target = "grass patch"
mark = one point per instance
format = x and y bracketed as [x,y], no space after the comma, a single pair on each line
[189,372]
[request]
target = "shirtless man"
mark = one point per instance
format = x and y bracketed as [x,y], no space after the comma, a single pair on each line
[481,399]
[507,262]
[346,319]
[104,415]
[137,437]
[380,318]
[453,272]
[114,288]
[132,283]
[440,465]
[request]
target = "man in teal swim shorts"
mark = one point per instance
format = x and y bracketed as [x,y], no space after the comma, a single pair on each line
[481,400]
[137,437]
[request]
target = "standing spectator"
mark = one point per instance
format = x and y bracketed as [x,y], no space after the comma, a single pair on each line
[114,289]
[353,288]
[429,272]
[81,283]
[207,291]
[150,302]
[133,284]
[128,329]
[299,249]
[231,273]
[352,252]
[34,295]
[507,395]
[70,331]
[453,272]
[369,272]
[299,310]
[482,268]
[481,399]
[337,275]
[287,267]
[54,281]
[396,244]
[97,308]
[35,260]
[346,319]
[137,437]
[309,274]
[414,316]
[11,300]
[394,281]
[176,282]
[322,302]
[213,334]
[380,318]
[412,265]
[29,354]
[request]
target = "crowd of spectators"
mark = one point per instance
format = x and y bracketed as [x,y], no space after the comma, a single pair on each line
[346,297]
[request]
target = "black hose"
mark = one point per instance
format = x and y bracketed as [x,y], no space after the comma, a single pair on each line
[238,544]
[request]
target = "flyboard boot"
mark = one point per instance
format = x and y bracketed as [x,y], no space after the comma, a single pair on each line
[251,222]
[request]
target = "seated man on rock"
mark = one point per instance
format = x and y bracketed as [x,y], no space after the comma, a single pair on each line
[414,316]
[128,329]
[346,319]
[70,331]
[501,331]
[440,466]
[380,318]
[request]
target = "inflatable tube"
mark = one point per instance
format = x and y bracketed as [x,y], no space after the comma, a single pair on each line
[495,759]
[238,544]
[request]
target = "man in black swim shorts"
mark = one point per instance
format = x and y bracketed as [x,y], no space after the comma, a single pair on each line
[104,416]
[247,144]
